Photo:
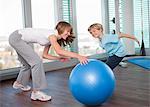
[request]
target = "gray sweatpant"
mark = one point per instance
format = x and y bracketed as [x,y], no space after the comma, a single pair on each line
[31,62]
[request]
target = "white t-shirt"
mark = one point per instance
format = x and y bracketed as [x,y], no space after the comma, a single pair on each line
[36,35]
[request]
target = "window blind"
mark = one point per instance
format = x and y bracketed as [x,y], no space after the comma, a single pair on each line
[121,3]
[111,12]
[67,10]
[141,18]
[67,16]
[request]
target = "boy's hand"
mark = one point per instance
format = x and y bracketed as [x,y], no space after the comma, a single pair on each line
[137,41]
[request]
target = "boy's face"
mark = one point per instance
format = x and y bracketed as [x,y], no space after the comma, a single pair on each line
[95,33]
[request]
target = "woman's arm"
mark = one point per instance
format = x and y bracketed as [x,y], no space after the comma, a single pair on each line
[46,55]
[123,35]
[63,52]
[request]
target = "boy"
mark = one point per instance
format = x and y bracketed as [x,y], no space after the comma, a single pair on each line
[111,43]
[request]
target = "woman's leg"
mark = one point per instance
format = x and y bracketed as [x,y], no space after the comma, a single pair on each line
[31,57]
[37,70]
[25,71]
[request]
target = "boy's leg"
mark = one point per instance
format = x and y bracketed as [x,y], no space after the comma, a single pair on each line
[113,61]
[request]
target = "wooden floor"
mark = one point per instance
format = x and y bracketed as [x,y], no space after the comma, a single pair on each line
[132,90]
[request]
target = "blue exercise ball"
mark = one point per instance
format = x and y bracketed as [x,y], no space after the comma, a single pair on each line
[92,84]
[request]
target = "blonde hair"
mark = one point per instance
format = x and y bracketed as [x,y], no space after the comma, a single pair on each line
[95,26]
[61,27]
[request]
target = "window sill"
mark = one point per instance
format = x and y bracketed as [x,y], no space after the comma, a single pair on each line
[48,66]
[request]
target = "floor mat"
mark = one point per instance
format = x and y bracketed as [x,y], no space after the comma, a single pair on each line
[143,62]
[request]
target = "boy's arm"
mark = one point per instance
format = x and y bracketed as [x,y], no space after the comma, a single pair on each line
[123,35]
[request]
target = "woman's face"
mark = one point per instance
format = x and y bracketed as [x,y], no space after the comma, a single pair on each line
[65,34]
[95,33]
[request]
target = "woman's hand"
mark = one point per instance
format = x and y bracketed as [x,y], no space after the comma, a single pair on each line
[83,59]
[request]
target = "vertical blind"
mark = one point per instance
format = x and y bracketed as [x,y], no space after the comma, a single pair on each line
[111,12]
[121,3]
[139,19]
[67,16]
[67,10]
[142,18]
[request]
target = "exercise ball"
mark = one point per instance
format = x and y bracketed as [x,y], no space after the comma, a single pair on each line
[93,83]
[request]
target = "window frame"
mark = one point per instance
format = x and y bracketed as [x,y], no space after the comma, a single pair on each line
[48,66]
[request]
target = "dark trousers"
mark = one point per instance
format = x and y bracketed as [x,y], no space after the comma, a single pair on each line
[113,61]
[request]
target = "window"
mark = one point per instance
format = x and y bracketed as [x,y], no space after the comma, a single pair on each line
[42,17]
[43,14]
[64,9]
[11,20]
[141,21]
[88,12]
